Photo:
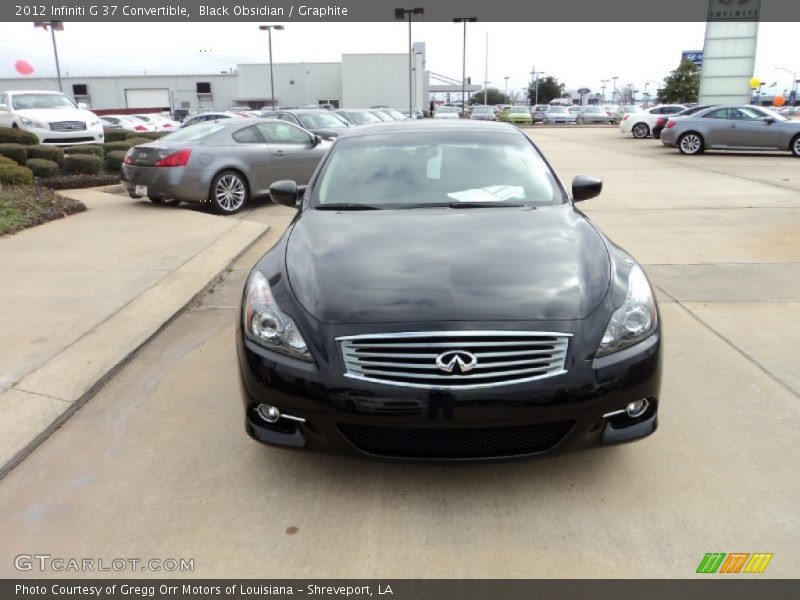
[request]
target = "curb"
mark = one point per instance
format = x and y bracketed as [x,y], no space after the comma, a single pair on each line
[37,405]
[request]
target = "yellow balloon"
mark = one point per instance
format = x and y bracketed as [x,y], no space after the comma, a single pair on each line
[755,82]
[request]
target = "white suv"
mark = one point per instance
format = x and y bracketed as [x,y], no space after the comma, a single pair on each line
[51,116]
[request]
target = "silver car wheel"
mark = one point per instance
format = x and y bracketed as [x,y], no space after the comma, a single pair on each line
[796,146]
[230,193]
[690,143]
[640,131]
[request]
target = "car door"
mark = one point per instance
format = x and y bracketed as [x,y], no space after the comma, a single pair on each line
[748,129]
[714,129]
[293,151]
[252,154]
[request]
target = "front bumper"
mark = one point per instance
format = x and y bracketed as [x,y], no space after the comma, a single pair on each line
[179,183]
[90,135]
[557,414]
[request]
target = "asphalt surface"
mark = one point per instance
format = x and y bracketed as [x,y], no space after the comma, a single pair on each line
[157,464]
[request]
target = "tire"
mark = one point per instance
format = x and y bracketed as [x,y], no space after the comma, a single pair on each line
[640,131]
[795,146]
[691,143]
[229,192]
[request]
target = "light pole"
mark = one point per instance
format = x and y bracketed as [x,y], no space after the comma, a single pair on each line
[54,26]
[603,87]
[400,14]
[464,20]
[614,93]
[268,29]
[506,92]
[535,82]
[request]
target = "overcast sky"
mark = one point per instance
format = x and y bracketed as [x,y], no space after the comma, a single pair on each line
[579,54]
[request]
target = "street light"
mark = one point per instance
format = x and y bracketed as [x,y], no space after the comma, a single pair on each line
[603,87]
[614,93]
[535,82]
[400,14]
[268,29]
[506,92]
[54,26]
[464,20]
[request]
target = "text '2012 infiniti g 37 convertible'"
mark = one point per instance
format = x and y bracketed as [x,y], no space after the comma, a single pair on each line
[439,296]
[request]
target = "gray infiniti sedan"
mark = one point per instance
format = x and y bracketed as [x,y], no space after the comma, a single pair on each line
[224,163]
[732,128]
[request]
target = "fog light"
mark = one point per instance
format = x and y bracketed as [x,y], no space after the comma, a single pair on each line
[269,413]
[636,408]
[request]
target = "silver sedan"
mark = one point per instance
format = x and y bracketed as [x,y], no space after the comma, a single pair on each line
[224,163]
[733,128]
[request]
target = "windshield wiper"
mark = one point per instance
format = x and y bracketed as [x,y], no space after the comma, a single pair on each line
[489,204]
[347,206]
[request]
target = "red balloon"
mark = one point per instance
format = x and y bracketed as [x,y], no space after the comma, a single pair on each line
[23,67]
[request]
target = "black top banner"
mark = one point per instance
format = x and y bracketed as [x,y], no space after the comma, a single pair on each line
[384,10]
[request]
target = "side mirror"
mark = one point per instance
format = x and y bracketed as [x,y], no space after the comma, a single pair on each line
[284,192]
[316,140]
[585,187]
[83,105]
[769,120]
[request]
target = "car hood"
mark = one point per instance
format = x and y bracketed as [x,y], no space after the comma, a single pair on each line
[442,264]
[57,114]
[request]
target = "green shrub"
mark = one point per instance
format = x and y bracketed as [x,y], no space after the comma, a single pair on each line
[113,160]
[41,167]
[78,181]
[47,153]
[115,135]
[12,135]
[148,135]
[16,152]
[135,141]
[4,160]
[85,164]
[15,175]
[85,149]
[116,146]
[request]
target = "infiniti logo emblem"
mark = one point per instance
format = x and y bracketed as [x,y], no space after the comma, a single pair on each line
[456,361]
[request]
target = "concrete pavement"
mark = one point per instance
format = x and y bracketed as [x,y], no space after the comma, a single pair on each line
[158,465]
[81,294]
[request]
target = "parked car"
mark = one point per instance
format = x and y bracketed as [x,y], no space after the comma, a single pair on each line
[382,115]
[446,112]
[733,128]
[592,114]
[502,113]
[538,113]
[126,123]
[789,111]
[382,323]
[51,116]
[640,123]
[557,114]
[394,113]
[326,124]
[205,117]
[482,113]
[358,116]
[225,163]
[574,111]
[625,110]
[661,122]
[519,115]
[159,122]
[611,111]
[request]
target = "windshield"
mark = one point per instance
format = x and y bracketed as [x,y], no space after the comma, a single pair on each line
[427,169]
[27,101]
[482,109]
[395,114]
[558,109]
[519,109]
[195,132]
[320,120]
[447,109]
[593,109]
[363,117]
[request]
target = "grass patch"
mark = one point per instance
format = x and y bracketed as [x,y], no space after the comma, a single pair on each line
[22,207]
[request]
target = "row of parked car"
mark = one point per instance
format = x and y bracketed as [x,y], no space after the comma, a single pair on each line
[694,129]
[549,114]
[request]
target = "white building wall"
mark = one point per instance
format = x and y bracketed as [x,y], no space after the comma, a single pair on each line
[296,84]
[378,79]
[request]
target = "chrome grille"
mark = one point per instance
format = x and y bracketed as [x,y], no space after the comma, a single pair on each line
[410,358]
[68,126]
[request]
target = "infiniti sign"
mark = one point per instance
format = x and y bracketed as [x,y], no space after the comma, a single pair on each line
[458,361]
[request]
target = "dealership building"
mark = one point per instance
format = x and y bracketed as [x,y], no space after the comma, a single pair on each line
[359,80]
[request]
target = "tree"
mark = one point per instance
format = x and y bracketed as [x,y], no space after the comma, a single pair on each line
[625,94]
[493,96]
[681,85]
[549,89]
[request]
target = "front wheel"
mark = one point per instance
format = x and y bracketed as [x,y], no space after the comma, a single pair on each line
[228,192]
[796,146]
[640,131]
[690,143]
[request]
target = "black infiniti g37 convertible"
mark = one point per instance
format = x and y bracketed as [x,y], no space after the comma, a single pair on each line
[439,296]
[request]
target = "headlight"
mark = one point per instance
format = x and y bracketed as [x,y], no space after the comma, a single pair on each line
[635,320]
[94,123]
[32,123]
[267,325]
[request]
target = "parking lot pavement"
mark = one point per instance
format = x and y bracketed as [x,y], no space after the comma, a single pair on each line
[157,465]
